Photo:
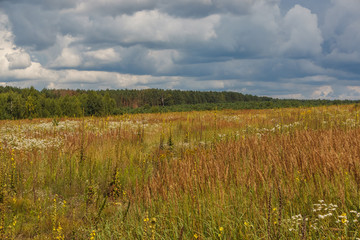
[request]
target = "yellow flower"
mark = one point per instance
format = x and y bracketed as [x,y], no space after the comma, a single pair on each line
[196,236]
[92,235]
[246,224]
[221,229]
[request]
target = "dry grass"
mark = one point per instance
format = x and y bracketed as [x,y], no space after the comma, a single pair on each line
[205,175]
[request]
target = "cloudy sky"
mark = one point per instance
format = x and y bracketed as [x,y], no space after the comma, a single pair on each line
[278,48]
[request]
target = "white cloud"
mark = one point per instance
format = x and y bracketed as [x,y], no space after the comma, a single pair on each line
[249,45]
[15,62]
[69,58]
[113,7]
[107,55]
[163,60]
[354,89]
[154,26]
[18,60]
[98,79]
[24,72]
[303,37]
[349,92]
[250,35]
[322,92]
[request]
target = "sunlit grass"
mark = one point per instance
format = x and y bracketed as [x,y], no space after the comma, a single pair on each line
[250,174]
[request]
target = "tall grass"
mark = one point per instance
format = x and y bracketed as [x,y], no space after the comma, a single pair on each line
[250,174]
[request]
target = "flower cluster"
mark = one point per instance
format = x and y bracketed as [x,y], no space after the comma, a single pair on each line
[324,215]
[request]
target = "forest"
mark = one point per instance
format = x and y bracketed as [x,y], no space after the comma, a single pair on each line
[28,103]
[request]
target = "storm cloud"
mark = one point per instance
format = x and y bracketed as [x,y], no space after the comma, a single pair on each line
[291,49]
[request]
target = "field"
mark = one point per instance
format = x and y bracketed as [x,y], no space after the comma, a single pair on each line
[247,174]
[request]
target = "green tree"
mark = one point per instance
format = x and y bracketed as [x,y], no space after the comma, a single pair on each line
[94,104]
[109,104]
[15,105]
[70,106]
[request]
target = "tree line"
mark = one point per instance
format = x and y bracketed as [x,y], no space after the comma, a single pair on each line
[19,103]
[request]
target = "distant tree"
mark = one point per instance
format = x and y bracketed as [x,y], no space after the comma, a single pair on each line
[109,104]
[53,107]
[15,106]
[30,106]
[3,104]
[70,106]
[94,104]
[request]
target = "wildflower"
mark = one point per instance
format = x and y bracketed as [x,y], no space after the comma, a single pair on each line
[92,235]
[221,229]
[343,218]
[196,236]
[246,224]
[59,233]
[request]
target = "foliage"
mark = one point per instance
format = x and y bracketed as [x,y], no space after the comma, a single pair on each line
[16,103]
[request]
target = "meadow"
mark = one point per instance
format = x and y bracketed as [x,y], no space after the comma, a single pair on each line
[231,174]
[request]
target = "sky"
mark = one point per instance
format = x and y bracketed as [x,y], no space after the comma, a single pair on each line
[301,49]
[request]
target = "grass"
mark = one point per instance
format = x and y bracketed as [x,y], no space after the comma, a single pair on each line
[248,174]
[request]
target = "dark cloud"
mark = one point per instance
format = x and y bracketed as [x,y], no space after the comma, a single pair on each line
[202,8]
[32,27]
[47,4]
[282,48]
[114,7]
